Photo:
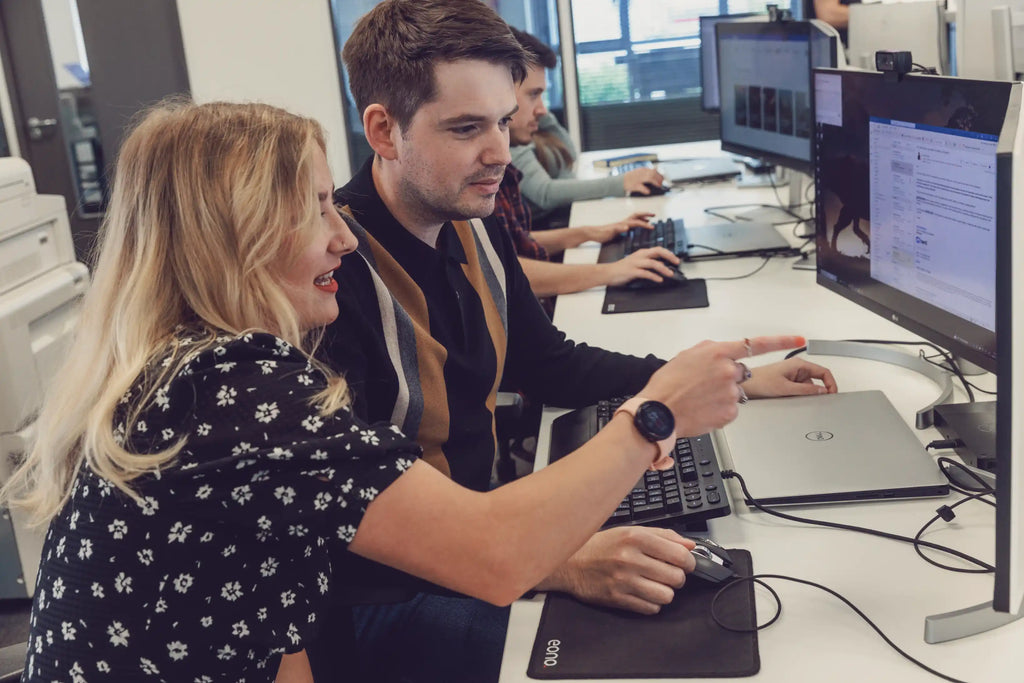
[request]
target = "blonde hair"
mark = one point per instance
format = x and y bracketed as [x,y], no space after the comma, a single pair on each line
[209,203]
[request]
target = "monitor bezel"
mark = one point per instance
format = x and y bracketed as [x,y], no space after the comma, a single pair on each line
[1008,591]
[784,29]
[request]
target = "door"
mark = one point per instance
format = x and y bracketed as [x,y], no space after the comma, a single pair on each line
[77,75]
[48,122]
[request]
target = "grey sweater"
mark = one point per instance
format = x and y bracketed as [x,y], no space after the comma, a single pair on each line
[543,193]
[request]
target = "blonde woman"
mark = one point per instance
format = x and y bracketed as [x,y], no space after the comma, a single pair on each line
[200,472]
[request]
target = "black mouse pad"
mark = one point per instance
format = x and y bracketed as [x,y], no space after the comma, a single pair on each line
[575,640]
[624,300]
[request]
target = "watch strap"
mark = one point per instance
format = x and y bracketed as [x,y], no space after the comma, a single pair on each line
[662,459]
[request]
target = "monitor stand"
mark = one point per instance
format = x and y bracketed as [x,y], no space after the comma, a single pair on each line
[925,416]
[961,623]
[808,261]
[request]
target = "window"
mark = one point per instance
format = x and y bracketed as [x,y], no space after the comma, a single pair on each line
[638,63]
[539,17]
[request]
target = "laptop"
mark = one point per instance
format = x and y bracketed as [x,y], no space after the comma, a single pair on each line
[679,171]
[832,448]
[718,240]
[739,238]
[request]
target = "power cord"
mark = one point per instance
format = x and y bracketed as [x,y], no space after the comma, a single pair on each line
[730,474]
[759,579]
[945,512]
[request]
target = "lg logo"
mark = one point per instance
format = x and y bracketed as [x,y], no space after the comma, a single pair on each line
[551,654]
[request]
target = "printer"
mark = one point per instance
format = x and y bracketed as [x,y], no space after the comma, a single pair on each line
[41,286]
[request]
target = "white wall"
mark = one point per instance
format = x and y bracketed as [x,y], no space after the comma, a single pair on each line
[281,53]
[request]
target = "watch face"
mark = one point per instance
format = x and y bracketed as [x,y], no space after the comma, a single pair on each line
[655,421]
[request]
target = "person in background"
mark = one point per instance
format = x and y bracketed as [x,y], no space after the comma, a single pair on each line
[836,13]
[537,247]
[545,154]
[436,314]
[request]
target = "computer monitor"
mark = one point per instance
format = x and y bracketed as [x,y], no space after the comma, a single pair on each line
[975,43]
[764,80]
[917,27]
[709,100]
[914,215]
[907,201]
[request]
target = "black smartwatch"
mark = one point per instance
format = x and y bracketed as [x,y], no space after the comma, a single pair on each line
[654,421]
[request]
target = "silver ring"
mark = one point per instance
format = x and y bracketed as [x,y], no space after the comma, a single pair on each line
[746,345]
[743,396]
[745,373]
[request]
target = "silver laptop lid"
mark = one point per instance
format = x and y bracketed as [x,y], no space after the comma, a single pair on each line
[739,237]
[693,170]
[831,448]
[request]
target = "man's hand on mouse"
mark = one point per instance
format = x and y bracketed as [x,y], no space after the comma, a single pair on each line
[603,233]
[653,263]
[633,568]
[634,181]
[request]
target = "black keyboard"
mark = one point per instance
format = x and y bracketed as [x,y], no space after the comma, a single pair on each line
[691,491]
[668,233]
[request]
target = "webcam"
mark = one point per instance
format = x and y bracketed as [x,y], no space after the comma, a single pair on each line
[894,62]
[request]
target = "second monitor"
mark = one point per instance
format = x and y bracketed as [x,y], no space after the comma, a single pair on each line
[764,80]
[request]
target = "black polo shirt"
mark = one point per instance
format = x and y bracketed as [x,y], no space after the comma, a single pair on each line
[539,360]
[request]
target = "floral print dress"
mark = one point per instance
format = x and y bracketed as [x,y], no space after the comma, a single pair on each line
[224,563]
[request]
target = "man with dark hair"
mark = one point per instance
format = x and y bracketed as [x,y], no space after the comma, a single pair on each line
[535,247]
[436,312]
[545,155]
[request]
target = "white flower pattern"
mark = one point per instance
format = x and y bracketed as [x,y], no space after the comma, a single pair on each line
[256,470]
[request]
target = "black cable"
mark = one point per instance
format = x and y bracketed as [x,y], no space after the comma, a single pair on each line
[755,271]
[972,384]
[795,352]
[952,365]
[759,579]
[946,513]
[730,474]
[983,487]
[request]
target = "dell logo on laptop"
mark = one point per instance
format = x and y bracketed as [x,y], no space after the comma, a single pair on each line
[818,436]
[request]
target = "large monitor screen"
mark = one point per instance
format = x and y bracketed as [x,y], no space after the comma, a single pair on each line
[908,201]
[709,100]
[764,79]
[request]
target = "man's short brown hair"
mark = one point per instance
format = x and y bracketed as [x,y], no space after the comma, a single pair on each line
[537,52]
[394,47]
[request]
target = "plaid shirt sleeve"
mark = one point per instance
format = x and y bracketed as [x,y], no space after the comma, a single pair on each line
[513,215]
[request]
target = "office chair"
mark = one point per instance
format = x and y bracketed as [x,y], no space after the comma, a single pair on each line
[508,410]
[12,662]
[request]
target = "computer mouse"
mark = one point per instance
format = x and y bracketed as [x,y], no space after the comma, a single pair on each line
[713,561]
[655,190]
[676,279]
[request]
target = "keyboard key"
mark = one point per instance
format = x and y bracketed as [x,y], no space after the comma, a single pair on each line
[667,496]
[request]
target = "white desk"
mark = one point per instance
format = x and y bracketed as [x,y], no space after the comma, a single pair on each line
[818,639]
